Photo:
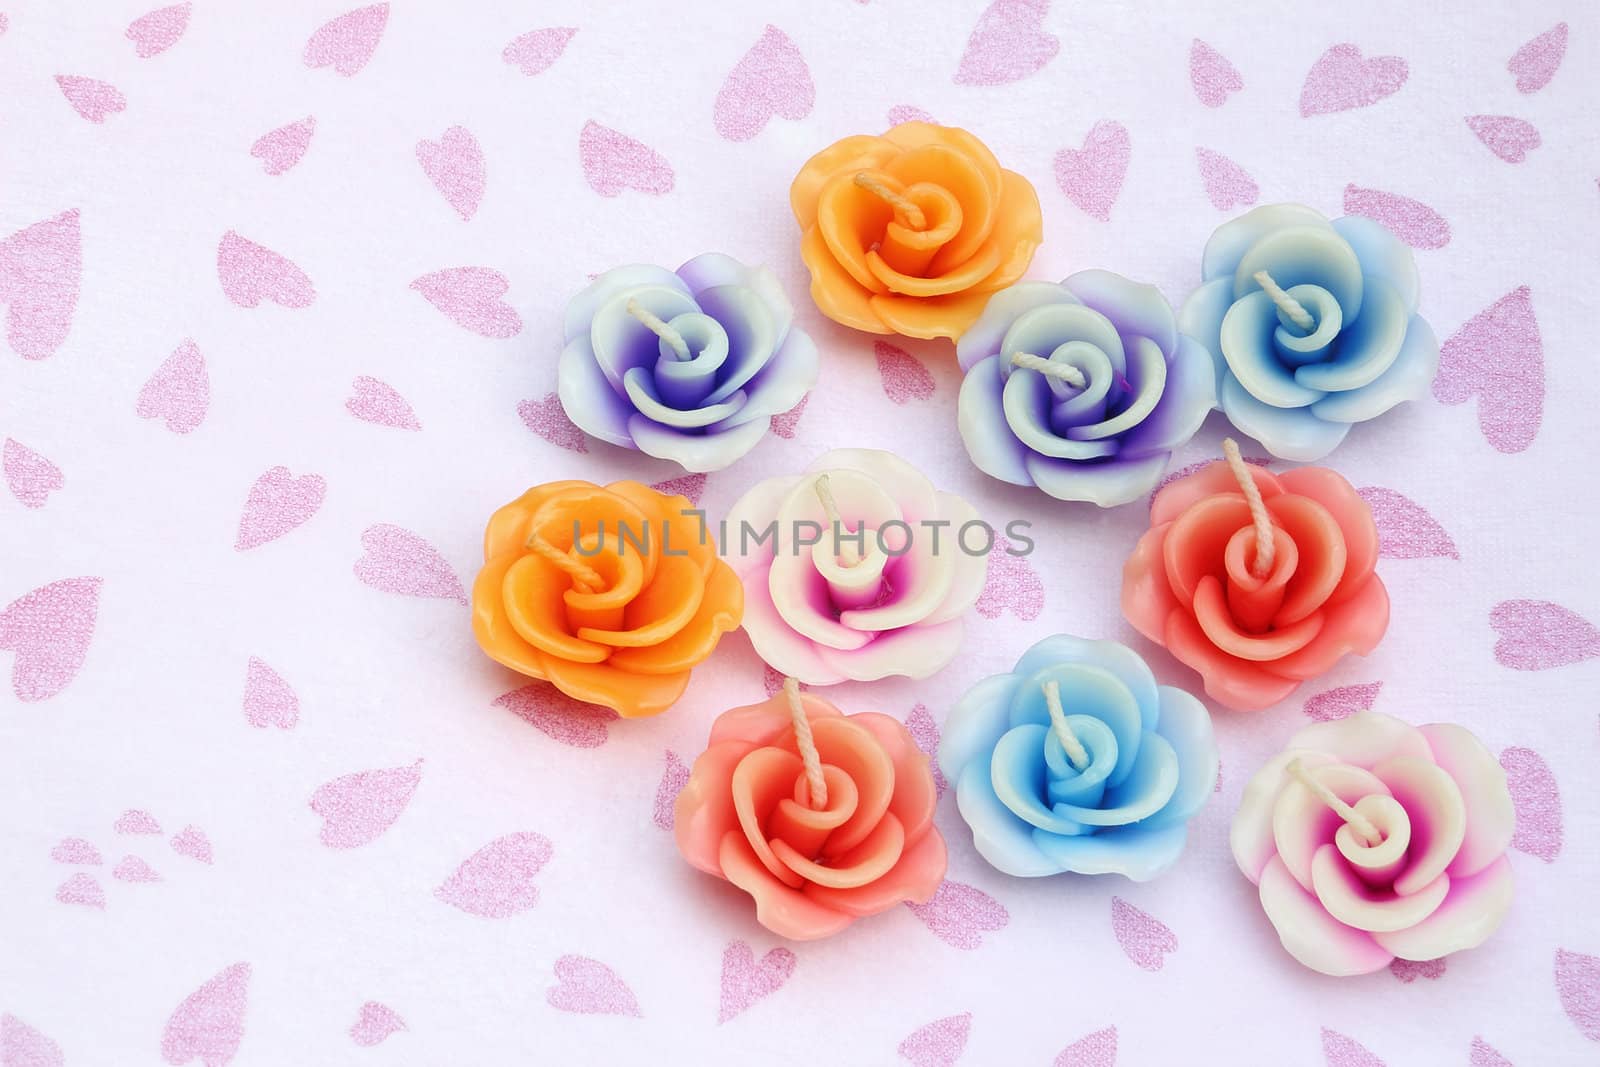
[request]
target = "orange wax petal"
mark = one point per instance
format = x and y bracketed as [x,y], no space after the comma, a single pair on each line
[910,251]
[1211,612]
[720,611]
[860,152]
[1018,232]
[764,777]
[1354,516]
[1229,680]
[661,609]
[624,577]
[851,219]
[509,527]
[915,878]
[591,509]
[765,723]
[704,809]
[837,295]
[962,276]
[870,860]
[782,910]
[956,171]
[1321,547]
[1196,545]
[633,696]
[917,134]
[1353,625]
[1252,601]
[1147,597]
[495,634]
[914,793]
[1178,496]
[682,530]
[531,592]
[929,317]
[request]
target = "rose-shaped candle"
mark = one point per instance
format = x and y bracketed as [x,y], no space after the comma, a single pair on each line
[686,366]
[610,594]
[910,232]
[1258,581]
[857,569]
[1312,324]
[1077,761]
[1372,839]
[822,817]
[1082,388]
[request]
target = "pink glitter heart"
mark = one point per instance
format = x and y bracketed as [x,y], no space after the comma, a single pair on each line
[960,914]
[1498,356]
[1342,79]
[30,477]
[251,273]
[347,42]
[613,162]
[179,391]
[1227,184]
[552,712]
[134,821]
[908,113]
[1213,77]
[1535,63]
[904,377]
[1578,986]
[277,503]
[470,296]
[673,778]
[357,808]
[688,486]
[1008,43]
[536,51]
[40,267]
[377,402]
[20,1044]
[159,30]
[1414,222]
[770,79]
[374,1023]
[1409,971]
[1098,1049]
[209,1024]
[938,1044]
[497,880]
[91,98]
[1506,136]
[785,425]
[1091,176]
[283,147]
[1536,635]
[81,889]
[1341,1051]
[589,987]
[1405,529]
[547,418]
[1144,938]
[398,561]
[925,732]
[1537,800]
[1484,1054]
[1342,701]
[268,699]
[49,629]
[134,869]
[746,980]
[1010,584]
[454,164]
[76,851]
[191,841]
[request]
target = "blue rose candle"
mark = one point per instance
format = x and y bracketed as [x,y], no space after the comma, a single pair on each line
[687,365]
[1082,388]
[1313,326]
[1077,761]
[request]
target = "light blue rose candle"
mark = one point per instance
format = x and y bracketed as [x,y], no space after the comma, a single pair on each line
[1313,326]
[1077,761]
[688,365]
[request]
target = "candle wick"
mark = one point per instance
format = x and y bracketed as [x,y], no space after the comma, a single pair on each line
[1076,753]
[1287,304]
[902,204]
[1064,372]
[585,579]
[1359,824]
[655,325]
[1266,551]
[807,744]
[831,509]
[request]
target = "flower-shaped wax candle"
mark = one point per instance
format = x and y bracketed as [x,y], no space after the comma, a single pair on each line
[857,569]
[910,232]
[1082,388]
[823,818]
[610,594]
[1313,326]
[687,366]
[1258,581]
[1372,839]
[1077,761]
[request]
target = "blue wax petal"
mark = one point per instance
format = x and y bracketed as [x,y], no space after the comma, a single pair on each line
[981,419]
[640,388]
[752,336]
[1367,347]
[1407,379]
[1086,689]
[781,384]
[698,453]
[1041,330]
[1134,308]
[1247,345]
[1201,318]
[1019,775]
[1065,783]
[1233,239]
[1382,255]
[686,384]
[1145,791]
[1147,378]
[1027,401]
[1071,405]
[1132,851]
[1186,724]
[621,342]
[1103,482]
[1304,255]
[976,724]
[982,339]
[1294,347]
[999,836]
[1288,433]
[1123,662]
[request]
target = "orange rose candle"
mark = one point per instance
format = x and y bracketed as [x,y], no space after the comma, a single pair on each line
[1258,581]
[824,818]
[911,232]
[610,594]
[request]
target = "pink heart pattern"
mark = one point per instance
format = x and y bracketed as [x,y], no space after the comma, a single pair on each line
[1098,1049]
[1408,971]
[1506,136]
[673,778]
[93,100]
[908,113]
[960,914]
[191,841]
[925,732]
[1578,986]
[497,880]
[282,148]
[134,821]
[1213,77]
[1414,222]
[470,296]
[1498,356]
[547,418]
[613,162]
[346,43]
[40,268]
[746,980]
[209,1024]
[377,402]
[1405,529]
[156,31]
[1341,1051]
[178,392]
[278,502]
[1010,584]
[1537,800]
[76,851]
[374,1023]
[939,1043]
[588,987]
[49,630]
[20,1044]
[454,164]
[770,79]
[1536,635]
[1483,1054]
[537,50]
[398,561]
[1342,701]
[904,377]
[268,699]
[786,425]
[1535,63]
[1145,939]
[1227,185]
[251,273]
[81,889]
[1091,176]
[690,486]
[1008,44]
[134,869]
[30,477]
[1342,79]
[357,808]
[552,712]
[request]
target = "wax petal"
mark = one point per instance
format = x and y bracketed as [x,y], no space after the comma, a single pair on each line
[642,394]
[676,527]
[970,570]
[621,342]
[1383,256]
[1288,433]
[980,418]
[970,173]
[1310,934]
[801,597]
[976,724]
[907,485]
[1474,909]
[1147,598]
[1126,665]
[1490,816]
[999,836]
[1186,725]
[712,269]
[914,878]
[1212,612]
[719,613]
[1134,308]
[1196,546]
[581,309]
[1236,683]
[1234,238]
[1201,318]
[1407,379]
[752,335]
[776,642]
[510,525]
[1365,739]
[1351,626]
[781,384]
[927,317]
[531,590]
[1017,234]
[766,723]
[786,912]
[763,778]
[1107,483]
[630,695]
[1247,332]
[1251,835]
[1086,689]
[869,861]
[959,278]
[1148,788]
[982,339]
[1322,553]
[699,454]
[490,624]
[923,578]
[1354,516]
[1138,853]
[1438,817]
[703,811]
[851,219]
[1367,347]
[837,295]
[1189,395]
[747,520]
[1027,400]
[911,652]
[858,152]
[914,793]
[1018,773]
[1304,255]
[1350,901]
[588,397]
[1147,371]
[1041,330]
[1067,787]
[1216,477]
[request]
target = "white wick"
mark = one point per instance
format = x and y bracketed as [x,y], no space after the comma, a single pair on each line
[1076,753]
[652,322]
[1359,824]
[1287,304]
[831,509]
[1266,550]
[1065,372]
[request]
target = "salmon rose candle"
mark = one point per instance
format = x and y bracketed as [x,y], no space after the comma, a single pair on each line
[823,818]
[1258,581]
[610,594]
[909,233]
